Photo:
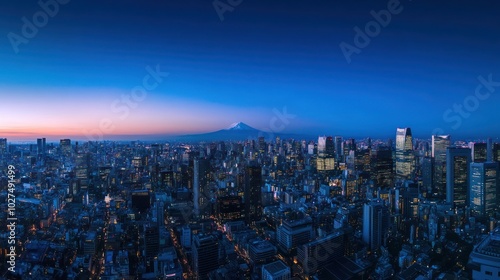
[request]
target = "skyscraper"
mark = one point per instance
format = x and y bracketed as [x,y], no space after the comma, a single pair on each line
[483,187]
[3,145]
[428,174]
[41,145]
[349,145]
[479,151]
[404,153]
[326,153]
[375,223]
[65,146]
[457,175]
[252,192]
[382,167]
[151,245]
[200,187]
[439,145]
[205,255]
[338,148]
[293,233]
[325,146]
[496,152]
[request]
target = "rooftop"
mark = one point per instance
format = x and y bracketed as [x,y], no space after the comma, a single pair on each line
[275,267]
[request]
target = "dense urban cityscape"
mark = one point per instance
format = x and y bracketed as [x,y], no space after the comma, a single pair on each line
[328,208]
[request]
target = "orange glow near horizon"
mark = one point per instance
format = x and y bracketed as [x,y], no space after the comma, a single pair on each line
[50,115]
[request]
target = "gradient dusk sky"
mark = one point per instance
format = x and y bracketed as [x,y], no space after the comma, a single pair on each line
[263,55]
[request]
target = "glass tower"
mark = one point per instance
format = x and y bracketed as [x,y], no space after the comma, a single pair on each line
[457,175]
[404,153]
[483,187]
[439,145]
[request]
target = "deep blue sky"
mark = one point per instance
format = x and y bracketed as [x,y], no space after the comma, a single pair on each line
[263,55]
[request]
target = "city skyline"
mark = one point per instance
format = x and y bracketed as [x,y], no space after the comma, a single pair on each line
[207,69]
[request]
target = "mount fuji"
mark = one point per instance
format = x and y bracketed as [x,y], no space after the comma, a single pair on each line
[240,126]
[236,132]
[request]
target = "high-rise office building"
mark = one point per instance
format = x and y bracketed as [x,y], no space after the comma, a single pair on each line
[479,151]
[293,233]
[151,241]
[404,153]
[496,152]
[205,255]
[261,251]
[326,146]
[439,145]
[3,146]
[457,175]
[428,174]
[326,154]
[375,223]
[201,195]
[485,258]
[82,166]
[229,208]
[382,167]
[349,145]
[89,243]
[325,163]
[483,187]
[252,192]
[338,148]
[41,145]
[65,147]
[314,255]
[262,144]
[409,202]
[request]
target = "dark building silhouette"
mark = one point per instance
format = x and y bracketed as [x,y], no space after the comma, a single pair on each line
[141,200]
[201,193]
[457,176]
[205,255]
[252,192]
[382,166]
[375,223]
[439,145]
[229,208]
[151,245]
[428,174]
